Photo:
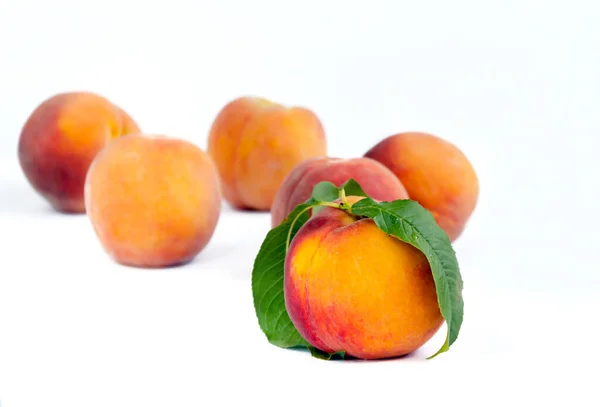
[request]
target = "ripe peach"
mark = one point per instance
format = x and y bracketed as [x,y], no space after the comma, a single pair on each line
[376,180]
[350,287]
[153,201]
[255,143]
[435,173]
[60,139]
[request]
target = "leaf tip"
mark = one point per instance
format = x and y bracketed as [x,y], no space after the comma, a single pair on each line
[445,347]
[352,188]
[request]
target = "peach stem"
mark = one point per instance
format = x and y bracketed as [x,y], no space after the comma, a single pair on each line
[345,204]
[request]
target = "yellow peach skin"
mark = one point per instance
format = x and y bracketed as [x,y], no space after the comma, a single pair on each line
[350,287]
[153,201]
[60,139]
[435,173]
[255,143]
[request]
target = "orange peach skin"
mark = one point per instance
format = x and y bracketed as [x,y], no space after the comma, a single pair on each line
[376,180]
[255,143]
[153,201]
[60,139]
[350,287]
[435,173]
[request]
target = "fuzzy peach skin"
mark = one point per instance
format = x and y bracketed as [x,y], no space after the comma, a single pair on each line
[376,180]
[255,143]
[153,201]
[435,173]
[60,139]
[350,287]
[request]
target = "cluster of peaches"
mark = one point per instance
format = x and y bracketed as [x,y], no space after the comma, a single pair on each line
[155,201]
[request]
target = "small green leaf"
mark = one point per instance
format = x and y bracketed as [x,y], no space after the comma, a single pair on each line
[408,221]
[267,280]
[319,354]
[325,191]
[352,188]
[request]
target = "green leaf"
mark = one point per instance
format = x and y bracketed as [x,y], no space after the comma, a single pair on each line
[319,354]
[408,221]
[267,280]
[325,191]
[353,188]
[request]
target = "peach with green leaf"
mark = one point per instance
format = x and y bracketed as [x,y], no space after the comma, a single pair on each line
[347,275]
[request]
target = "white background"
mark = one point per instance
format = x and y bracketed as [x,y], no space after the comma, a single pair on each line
[515,84]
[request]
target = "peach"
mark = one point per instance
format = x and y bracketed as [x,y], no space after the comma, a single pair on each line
[435,173]
[60,139]
[376,180]
[350,287]
[153,201]
[255,143]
